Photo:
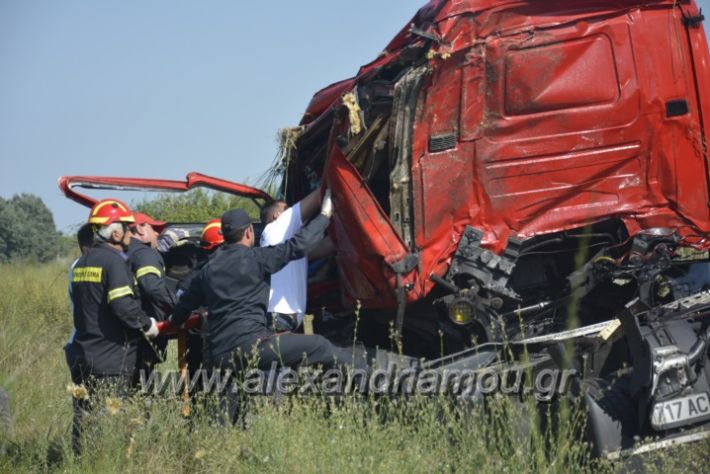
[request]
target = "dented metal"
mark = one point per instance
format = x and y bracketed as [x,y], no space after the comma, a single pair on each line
[521,119]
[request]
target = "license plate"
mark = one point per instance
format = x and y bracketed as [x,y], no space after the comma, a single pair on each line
[680,411]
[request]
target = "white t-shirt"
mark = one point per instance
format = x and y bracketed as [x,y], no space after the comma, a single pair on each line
[288,285]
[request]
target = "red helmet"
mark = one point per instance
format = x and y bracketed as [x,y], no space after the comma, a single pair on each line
[212,234]
[108,211]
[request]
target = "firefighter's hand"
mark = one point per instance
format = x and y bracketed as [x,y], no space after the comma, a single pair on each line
[152,331]
[326,206]
[171,238]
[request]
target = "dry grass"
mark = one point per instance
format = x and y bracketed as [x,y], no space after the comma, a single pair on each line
[294,435]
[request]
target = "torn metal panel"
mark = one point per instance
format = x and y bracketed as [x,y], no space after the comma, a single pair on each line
[366,263]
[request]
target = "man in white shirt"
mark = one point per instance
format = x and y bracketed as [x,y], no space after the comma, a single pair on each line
[287,297]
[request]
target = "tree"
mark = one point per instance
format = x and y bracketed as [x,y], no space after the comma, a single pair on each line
[27,230]
[197,205]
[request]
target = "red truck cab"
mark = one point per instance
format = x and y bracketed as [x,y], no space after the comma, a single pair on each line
[522,121]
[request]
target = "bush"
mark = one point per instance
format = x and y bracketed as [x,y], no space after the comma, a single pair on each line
[197,205]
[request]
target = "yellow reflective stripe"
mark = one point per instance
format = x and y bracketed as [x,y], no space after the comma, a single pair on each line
[119,292]
[98,220]
[103,220]
[107,203]
[211,226]
[87,275]
[143,271]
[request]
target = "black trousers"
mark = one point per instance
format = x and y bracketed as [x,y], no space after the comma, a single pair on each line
[282,322]
[293,350]
[195,359]
[286,350]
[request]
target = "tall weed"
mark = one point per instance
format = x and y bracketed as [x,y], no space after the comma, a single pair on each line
[364,434]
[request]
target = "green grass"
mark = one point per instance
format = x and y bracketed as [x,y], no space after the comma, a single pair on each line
[293,435]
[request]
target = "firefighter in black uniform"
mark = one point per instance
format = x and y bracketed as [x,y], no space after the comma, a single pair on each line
[210,240]
[234,285]
[108,318]
[148,268]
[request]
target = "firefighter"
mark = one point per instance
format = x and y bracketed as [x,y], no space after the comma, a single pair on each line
[148,268]
[210,241]
[234,285]
[108,317]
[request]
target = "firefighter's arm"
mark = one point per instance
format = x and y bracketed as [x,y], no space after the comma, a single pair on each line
[324,248]
[151,280]
[122,299]
[189,301]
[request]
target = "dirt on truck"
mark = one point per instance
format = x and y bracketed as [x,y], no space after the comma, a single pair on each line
[527,172]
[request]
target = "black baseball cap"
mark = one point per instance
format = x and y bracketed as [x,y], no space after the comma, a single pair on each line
[234,219]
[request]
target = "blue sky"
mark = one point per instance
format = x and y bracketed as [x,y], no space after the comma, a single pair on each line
[162,88]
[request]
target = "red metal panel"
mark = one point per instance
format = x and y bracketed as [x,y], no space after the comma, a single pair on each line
[193,180]
[324,99]
[582,64]
[367,242]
